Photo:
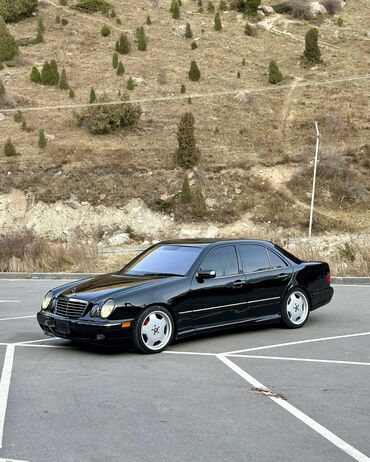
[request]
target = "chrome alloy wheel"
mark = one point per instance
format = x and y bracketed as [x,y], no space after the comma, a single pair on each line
[156,330]
[297,308]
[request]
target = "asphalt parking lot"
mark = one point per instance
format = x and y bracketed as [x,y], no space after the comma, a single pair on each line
[260,394]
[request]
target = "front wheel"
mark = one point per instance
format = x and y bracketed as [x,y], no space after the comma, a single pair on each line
[296,309]
[154,330]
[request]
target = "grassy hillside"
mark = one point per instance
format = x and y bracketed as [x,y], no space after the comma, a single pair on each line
[255,153]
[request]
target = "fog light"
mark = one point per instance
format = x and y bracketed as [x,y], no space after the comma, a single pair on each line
[125,324]
[100,336]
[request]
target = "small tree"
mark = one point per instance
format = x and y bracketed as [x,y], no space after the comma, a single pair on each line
[64,21]
[63,2]
[120,69]
[141,37]
[9,149]
[183,89]
[188,31]
[92,97]
[35,75]
[71,93]
[198,203]
[49,73]
[175,9]
[63,83]
[123,46]
[18,117]
[185,191]
[238,75]
[39,37]
[148,21]
[105,30]
[194,72]
[187,154]
[2,90]
[275,75]
[42,139]
[194,45]
[8,46]
[218,23]
[115,60]
[130,84]
[24,125]
[223,5]
[210,7]
[251,7]
[312,52]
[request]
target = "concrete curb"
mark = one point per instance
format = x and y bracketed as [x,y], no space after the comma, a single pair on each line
[335,280]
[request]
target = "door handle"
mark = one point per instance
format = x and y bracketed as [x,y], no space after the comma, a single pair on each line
[283,276]
[238,284]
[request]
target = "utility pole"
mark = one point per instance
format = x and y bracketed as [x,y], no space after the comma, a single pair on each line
[314,176]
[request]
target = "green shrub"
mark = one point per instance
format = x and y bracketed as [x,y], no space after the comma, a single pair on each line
[188,31]
[187,154]
[148,21]
[115,60]
[24,125]
[194,72]
[92,97]
[8,46]
[101,120]
[9,149]
[210,7]
[340,21]
[93,6]
[18,117]
[223,5]
[312,52]
[118,21]
[130,84]
[2,90]
[185,196]
[123,46]
[63,2]
[275,75]
[251,7]
[71,93]
[1,66]
[39,37]
[105,31]
[64,21]
[15,10]
[183,89]
[40,25]
[35,75]
[175,9]
[57,19]
[141,37]
[42,139]
[199,206]
[120,69]
[63,83]
[49,73]
[218,23]
[194,45]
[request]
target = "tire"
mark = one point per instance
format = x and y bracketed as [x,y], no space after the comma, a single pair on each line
[296,308]
[154,330]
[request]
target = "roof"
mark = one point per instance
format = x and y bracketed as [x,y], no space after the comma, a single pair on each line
[203,242]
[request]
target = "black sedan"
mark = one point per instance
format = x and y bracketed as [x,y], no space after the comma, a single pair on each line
[183,287]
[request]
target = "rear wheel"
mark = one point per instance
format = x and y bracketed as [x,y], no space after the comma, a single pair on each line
[154,330]
[296,309]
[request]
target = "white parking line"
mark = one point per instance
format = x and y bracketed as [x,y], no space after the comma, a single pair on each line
[284,358]
[38,340]
[324,432]
[10,301]
[265,347]
[189,353]
[17,317]
[4,386]
[11,460]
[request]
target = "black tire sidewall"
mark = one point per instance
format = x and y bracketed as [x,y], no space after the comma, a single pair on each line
[138,341]
[284,313]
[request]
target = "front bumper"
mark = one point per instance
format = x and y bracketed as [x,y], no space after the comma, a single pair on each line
[97,332]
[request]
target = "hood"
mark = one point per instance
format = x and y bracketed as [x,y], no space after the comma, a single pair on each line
[109,285]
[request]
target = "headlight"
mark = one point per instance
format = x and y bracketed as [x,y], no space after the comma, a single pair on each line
[47,299]
[107,308]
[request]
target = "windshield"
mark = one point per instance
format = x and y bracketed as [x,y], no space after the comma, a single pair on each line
[167,260]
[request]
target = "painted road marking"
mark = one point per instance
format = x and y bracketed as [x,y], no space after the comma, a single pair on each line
[10,301]
[265,347]
[355,363]
[4,387]
[17,317]
[324,432]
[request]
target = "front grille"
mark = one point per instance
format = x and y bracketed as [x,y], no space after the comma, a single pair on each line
[70,307]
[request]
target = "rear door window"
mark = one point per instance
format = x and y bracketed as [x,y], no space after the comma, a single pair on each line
[254,258]
[276,261]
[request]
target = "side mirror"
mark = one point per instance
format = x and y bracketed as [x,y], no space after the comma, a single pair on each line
[205,274]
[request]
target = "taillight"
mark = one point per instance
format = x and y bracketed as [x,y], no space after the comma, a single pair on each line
[328,278]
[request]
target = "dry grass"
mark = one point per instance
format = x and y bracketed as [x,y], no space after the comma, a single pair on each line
[112,169]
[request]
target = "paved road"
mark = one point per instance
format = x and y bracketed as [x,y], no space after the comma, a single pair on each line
[71,405]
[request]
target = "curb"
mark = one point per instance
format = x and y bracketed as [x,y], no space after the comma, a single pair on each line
[345,280]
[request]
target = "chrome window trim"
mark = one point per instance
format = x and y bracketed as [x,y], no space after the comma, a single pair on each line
[231,304]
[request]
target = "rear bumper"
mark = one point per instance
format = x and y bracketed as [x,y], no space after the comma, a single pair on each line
[322,297]
[110,332]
